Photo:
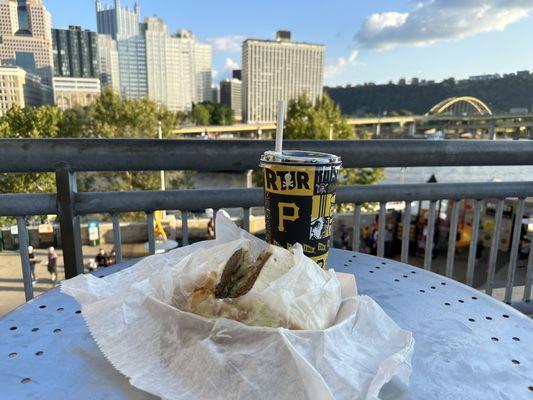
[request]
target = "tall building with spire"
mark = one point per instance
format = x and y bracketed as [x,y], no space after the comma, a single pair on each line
[25,37]
[124,26]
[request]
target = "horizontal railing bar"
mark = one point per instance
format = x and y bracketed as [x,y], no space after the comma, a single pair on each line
[433,191]
[17,205]
[110,202]
[114,202]
[150,200]
[41,155]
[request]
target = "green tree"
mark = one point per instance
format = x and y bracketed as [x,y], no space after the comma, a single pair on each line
[306,120]
[110,116]
[208,113]
[200,114]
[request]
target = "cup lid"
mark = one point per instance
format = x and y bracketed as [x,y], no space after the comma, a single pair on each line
[300,157]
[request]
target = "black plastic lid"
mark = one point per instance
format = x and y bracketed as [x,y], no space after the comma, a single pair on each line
[299,157]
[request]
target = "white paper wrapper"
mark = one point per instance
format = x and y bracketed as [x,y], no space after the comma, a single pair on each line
[179,355]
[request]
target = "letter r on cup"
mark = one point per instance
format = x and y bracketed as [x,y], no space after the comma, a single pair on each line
[282,216]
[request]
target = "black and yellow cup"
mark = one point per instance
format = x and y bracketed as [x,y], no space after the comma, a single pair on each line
[299,200]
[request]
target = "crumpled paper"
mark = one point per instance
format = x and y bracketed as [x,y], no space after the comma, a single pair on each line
[178,355]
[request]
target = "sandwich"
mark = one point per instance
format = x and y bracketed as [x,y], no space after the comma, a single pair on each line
[232,284]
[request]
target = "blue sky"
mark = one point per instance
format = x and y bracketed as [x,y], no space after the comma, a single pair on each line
[378,40]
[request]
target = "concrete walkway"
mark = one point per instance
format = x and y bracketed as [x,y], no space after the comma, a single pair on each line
[12,287]
[11,283]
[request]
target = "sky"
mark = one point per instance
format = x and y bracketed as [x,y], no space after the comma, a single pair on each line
[366,41]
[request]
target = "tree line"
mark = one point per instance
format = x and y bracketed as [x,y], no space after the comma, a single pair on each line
[500,94]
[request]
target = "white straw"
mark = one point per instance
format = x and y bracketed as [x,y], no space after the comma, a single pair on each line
[281,122]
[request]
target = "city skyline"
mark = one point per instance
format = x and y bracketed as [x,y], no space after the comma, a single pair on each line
[377,42]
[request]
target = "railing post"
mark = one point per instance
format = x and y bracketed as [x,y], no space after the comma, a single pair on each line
[515,246]
[428,252]
[381,229]
[151,233]
[472,251]
[494,247]
[356,242]
[406,232]
[452,238]
[117,239]
[185,227]
[69,222]
[25,258]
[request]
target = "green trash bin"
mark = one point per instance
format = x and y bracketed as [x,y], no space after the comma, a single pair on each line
[14,234]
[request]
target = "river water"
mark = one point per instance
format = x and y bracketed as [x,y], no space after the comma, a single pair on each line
[458,174]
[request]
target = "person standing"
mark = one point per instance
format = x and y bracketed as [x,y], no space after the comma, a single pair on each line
[52,263]
[33,261]
[101,258]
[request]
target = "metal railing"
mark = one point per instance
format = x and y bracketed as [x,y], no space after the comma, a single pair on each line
[65,157]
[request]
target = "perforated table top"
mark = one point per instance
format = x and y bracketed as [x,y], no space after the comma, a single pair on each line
[468,345]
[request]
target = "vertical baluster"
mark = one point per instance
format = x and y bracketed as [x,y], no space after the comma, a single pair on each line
[428,256]
[495,244]
[356,242]
[69,221]
[450,257]
[381,231]
[151,233]
[246,219]
[514,252]
[184,227]
[471,266]
[215,211]
[117,238]
[529,276]
[25,258]
[406,232]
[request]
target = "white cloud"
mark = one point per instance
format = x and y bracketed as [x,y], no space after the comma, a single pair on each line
[433,20]
[230,65]
[226,44]
[353,56]
[214,73]
[334,67]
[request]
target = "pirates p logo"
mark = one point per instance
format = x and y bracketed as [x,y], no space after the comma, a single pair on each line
[284,216]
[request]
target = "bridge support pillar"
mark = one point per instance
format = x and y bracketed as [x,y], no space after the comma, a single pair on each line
[411,130]
[377,130]
[492,131]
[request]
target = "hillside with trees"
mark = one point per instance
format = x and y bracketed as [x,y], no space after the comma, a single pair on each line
[500,94]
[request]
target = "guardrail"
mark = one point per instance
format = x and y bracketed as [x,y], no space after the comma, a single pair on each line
[65,157]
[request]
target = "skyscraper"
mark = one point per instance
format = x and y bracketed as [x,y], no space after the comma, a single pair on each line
[231,95]
[171,70]
[108,62]
[274,70]
[75,53]
[203,71]
[179,68]
[123,25]
[157,66]
[190,63]
[25,37]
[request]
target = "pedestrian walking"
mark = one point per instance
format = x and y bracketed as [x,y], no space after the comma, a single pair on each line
[52,263]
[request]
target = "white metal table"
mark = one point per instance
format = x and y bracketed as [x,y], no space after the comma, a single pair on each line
[468,345]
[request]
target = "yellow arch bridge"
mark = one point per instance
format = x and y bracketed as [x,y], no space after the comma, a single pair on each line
[460,106]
